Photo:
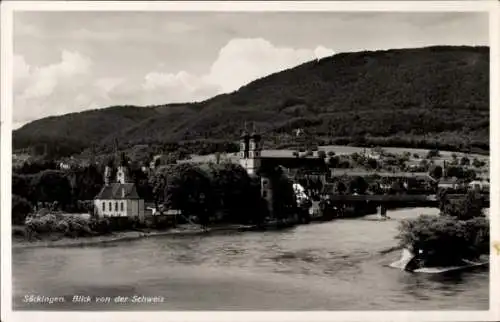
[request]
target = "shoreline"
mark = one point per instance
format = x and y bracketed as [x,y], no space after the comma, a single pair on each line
[118,237]
[66,242]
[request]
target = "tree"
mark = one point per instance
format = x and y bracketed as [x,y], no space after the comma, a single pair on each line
[372,163]
[157,183]
[141,153]
[397,187]
[333,162]
[436,172]
[321,154]
[189,189]
[434,153]
[86,182]
[283,202]
[478,163]
[340,188]
[464,161]
[20,209]
[465,208]
[53,185]
[358,185]
[22,186]
[443,240]
[233,192]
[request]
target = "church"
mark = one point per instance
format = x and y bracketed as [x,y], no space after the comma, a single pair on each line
[118,198]
[260,164]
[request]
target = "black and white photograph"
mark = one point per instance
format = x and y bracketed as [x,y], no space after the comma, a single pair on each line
[249,160]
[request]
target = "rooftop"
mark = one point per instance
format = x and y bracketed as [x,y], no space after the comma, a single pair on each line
[118,191]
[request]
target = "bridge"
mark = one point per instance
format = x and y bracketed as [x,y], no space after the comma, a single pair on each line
[398,198]
[381,198]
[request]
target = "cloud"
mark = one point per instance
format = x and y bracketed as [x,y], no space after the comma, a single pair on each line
[48,90]
[241,61]
[44,80]
[72,84]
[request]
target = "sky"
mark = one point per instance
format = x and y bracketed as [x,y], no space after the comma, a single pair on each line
[74,61]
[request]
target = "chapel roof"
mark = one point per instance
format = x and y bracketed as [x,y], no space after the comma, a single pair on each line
[118,191]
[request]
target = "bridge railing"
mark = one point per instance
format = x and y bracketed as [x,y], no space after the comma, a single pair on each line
[381,198]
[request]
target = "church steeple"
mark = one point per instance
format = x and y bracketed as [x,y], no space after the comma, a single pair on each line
[108,171]
[122,174]
[250,151]
[244,143]
[255,144]
[122,171]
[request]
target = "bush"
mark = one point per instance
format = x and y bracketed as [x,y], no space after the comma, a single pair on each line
[460,232]
[443,240]
[19,232]
[478,163]
[67,225]
[434,153]
[464,208]
[464,161]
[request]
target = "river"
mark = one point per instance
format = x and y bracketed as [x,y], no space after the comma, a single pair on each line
[337,265]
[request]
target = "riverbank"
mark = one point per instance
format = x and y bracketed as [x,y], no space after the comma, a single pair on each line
[124,236]
[52,240]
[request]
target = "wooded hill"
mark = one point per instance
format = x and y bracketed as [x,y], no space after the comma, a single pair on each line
[434,97]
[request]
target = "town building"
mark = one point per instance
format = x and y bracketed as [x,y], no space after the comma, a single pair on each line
[299,169]
[479,185]
[118,198]
[449,183]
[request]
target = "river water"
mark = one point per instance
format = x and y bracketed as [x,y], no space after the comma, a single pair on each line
[337,265]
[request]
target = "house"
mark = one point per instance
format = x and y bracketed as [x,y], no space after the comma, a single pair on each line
[449,183]
[64,166]
[118,199]
[481,185]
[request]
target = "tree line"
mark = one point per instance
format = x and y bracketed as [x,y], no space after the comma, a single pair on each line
[211,192]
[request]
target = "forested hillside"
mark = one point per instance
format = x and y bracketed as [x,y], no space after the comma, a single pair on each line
[435,97]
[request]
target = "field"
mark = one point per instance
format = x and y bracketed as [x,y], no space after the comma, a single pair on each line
[343,149]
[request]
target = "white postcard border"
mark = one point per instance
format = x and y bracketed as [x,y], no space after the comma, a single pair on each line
[347,6]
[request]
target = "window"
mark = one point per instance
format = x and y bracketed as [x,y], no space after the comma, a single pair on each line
[110,207]
[121,206]
[116,205]
[103,206]
[264,194]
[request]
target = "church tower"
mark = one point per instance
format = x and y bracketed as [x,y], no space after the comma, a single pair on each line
[107,175]
[250,152]
[244,145]
[122,171]
[121,174]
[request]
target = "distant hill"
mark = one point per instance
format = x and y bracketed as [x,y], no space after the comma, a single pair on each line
[421,98]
